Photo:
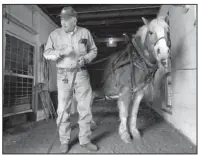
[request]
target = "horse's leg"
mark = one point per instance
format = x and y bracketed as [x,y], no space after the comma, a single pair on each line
[133,127]
[123,104]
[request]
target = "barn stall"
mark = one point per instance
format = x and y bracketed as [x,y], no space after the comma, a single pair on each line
[167,120]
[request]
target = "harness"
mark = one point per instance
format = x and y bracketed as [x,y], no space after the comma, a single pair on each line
[135,54]
[148,67]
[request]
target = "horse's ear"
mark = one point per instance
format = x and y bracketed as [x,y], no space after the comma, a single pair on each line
[145,21]
[162,17]
[166,19]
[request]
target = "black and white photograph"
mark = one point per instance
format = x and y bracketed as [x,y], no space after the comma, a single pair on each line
[98,78]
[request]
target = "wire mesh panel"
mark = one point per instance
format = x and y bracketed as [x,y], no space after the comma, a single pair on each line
[18,56]
[17,90]
[18,73]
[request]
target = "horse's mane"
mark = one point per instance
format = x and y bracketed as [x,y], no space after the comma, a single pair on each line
[141,33]
[159,21]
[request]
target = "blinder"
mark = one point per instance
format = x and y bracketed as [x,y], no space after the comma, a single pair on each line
[166,37]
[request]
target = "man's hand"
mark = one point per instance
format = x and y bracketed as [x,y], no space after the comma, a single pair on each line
[67,51]
[81,61]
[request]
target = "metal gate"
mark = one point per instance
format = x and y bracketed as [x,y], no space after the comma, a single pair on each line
[18,76]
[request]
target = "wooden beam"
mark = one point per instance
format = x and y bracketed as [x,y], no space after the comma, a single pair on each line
[152,10]
[19,23]
[131,13]
[114,30]
[114,21]
[53,6]
[8,111]
[89,9]
[112,33]
[129,26]
[108,22]
[113,8]
[108,7]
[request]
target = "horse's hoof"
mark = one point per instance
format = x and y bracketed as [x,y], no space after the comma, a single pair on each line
[126,138]
[136,134]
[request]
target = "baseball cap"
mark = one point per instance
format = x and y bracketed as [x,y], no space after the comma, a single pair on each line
[68,12]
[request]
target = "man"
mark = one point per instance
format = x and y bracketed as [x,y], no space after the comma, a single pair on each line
[72,47]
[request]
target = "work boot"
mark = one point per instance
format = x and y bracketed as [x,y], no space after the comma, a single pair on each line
[64,148]
[91,147]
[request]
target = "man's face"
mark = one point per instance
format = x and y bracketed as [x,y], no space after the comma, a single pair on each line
[69,24]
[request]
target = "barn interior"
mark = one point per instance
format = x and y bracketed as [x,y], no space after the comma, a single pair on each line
[104,22]
[167,122]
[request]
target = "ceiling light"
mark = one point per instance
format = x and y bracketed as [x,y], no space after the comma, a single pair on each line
[111,40]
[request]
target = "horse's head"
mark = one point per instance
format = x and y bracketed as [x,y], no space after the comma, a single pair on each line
[156,39]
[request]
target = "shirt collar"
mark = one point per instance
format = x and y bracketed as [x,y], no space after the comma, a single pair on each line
[75,29]
[71,33]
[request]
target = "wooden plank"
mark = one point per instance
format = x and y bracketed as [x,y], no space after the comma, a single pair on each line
[113,8]
[90,7]
[52,6]
[7,111]
[3,52]
[110,21]
[87,9]
[115,26]
[22,112]
[19,23]
[18,75]
[114,31]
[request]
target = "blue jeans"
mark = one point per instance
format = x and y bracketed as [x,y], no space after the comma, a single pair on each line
[83,94]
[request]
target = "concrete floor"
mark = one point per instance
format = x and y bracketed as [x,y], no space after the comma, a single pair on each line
[157,135]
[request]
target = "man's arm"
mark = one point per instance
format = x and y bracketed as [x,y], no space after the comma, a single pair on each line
[50,53]
[91,49]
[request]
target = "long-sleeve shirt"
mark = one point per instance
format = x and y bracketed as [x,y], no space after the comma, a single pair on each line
[81,41]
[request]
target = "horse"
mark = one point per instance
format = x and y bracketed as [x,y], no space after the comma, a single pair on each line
[149,52]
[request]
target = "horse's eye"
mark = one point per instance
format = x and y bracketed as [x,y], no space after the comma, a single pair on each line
[158,51]
[150,32]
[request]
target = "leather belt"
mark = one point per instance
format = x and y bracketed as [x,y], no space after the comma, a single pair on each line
[71,69]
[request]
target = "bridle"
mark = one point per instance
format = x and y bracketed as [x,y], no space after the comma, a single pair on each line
[154,43]
[150,67]
[159,40]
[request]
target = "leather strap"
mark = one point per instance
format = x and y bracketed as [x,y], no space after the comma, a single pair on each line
[142,56]
[72,69]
